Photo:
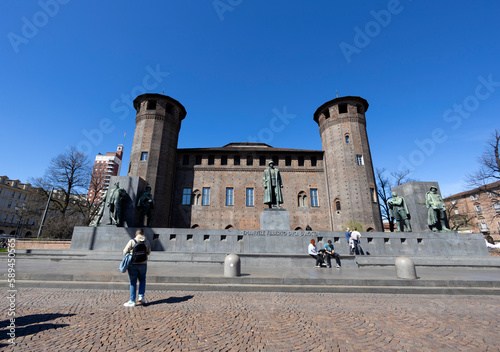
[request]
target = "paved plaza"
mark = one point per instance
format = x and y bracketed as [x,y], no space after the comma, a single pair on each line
[50,319]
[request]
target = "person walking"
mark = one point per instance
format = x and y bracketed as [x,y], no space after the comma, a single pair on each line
[330,252]
[348,234]
[140,248]
[356,236]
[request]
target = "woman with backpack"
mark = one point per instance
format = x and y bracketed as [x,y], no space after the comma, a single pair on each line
[139,248]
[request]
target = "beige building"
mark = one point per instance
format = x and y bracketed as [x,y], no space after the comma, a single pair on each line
[476,210]
[221,188]
[15,215]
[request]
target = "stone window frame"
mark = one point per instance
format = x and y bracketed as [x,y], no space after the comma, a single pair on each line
[302,199]
[196,196]
[229,196]
[314,197]
[338,205]
[249,197]
[205,200]
[359,159]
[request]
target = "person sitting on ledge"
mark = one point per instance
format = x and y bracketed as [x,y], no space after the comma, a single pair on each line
[313,252]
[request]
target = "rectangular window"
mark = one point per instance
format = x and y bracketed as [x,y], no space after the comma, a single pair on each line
[144,156]
[223,160]
[313,161]
[197,160]
[249,160]
[249,197]
[314,197]
[206,196]
[211,160]
[301,161]
[474,197]
[288,161]
[185,160]
[457,212]
[229,196]
[236,160]
[276,160]
[496,206]
[262,160]
[478,208]
[186,196]
[359,159]
[169,108]
[151,105]
[373,194]
[342,108]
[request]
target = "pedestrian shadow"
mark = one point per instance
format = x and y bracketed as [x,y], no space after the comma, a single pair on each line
[171,300]
[27,325]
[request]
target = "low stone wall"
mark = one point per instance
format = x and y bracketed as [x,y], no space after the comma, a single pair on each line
[108,238]
[29,244]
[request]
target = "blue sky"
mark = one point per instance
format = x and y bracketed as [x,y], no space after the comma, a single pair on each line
[429,70]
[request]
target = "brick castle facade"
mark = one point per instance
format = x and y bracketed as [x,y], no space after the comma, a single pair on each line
[221,188]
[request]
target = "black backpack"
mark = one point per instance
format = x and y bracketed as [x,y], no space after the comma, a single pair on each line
[139,252]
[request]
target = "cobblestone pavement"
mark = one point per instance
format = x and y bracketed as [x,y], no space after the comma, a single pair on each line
[95,320]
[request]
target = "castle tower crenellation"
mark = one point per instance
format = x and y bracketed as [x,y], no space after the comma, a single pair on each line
[349,174]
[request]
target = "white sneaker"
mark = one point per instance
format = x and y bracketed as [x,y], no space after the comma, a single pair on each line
[338,266]
[141,299]
[129,304]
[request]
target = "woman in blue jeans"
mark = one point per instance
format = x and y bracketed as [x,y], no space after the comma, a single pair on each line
[138,269]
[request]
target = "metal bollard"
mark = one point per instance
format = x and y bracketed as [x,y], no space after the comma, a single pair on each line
[405,268]
[232,265]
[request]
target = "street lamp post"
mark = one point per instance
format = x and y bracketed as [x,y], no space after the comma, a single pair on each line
[19,213]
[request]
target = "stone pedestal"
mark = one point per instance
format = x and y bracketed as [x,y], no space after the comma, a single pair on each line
[414,195]
[275,219]
[134,186]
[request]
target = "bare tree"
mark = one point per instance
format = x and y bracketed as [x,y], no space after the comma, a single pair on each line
[384,185]
[384,193]
[457,221]
[489,161]
[69,174]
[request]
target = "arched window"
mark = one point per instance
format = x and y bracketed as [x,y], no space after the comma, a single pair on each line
[347,139]
[337,205]
[197,197]
[229,227]
[302,199]
[298,228]
[195,226]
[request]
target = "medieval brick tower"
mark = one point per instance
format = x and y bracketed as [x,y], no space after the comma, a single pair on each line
[157,126]
[350,179]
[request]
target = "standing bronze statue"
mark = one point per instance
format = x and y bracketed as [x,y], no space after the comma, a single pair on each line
[436,211]
[272,186]
[145,205]
[400,212]
[98,217]
[114,204]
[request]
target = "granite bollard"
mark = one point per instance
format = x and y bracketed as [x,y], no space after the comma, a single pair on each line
[232,265]
[405,268]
